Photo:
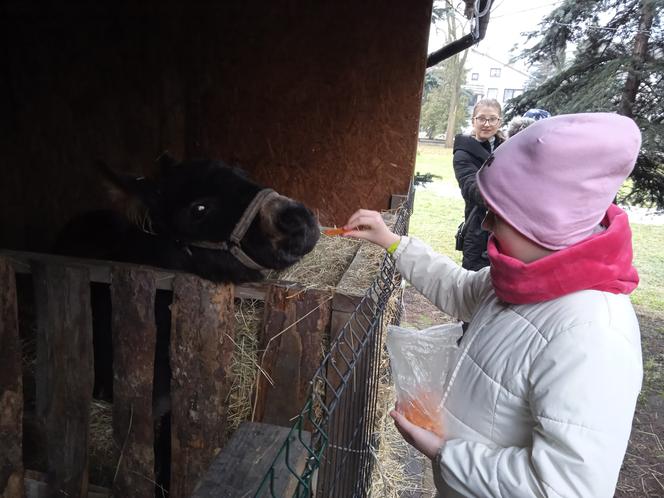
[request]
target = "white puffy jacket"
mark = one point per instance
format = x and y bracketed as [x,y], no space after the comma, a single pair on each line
[541,400]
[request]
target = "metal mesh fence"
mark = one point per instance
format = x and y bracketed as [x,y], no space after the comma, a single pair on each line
[336,426]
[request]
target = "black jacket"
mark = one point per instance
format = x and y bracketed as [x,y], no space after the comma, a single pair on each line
[469,155]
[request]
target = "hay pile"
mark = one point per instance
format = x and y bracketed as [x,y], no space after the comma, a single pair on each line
[104,453]
[324,266]
[362,272]
[334,258]
[245,362]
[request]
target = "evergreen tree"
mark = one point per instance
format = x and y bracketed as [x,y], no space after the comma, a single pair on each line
[618,66]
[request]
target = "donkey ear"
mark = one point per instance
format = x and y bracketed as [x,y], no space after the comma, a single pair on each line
[166,162]
[127,190]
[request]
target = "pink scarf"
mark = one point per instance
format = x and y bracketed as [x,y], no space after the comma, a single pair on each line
[601,262]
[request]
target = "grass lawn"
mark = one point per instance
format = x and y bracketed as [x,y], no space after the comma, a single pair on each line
[649,261]
[435,220]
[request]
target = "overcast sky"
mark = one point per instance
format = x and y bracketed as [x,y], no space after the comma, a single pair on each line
[509,18]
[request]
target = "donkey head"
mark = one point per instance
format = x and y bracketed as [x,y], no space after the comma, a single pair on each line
[216,222]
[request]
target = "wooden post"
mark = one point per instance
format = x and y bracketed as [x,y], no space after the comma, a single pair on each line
[64,373]
[294,326]
[203,326]
[11,389]
[134,342]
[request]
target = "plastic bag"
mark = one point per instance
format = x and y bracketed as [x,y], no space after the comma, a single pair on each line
[421,362]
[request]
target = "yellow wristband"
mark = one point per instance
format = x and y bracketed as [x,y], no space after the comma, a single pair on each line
[393,247]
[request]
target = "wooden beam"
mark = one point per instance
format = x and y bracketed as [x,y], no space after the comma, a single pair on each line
[64,373]
[100,271]
[11,388]
[202,334]
[295,324]
[243,463]
[134,343]
[396,200]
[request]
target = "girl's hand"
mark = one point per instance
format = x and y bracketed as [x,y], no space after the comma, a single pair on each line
[426,442]
[369,225]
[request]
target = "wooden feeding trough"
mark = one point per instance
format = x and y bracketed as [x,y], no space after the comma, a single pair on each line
[298,321]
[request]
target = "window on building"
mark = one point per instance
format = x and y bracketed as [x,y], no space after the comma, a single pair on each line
[494,72]
[492,93]
[510,93]
[475,76]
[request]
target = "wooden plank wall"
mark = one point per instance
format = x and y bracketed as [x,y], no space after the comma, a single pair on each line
[307,96]
[11,389]
[294,326]
[64,373]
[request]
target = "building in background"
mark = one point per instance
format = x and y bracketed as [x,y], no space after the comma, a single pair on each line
[488,77]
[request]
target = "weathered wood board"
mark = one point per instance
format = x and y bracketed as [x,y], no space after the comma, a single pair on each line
[64,372]
[11,389]
[241,466]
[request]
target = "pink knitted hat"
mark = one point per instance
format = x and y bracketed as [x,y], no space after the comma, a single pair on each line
[554,181]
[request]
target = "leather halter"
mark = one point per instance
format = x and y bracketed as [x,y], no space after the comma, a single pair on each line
[233,244]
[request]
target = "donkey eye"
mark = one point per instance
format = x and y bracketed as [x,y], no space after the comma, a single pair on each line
[198,210]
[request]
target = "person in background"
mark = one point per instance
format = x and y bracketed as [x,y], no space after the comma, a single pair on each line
[541,399]
[518,124]
[537,114]
[470,152]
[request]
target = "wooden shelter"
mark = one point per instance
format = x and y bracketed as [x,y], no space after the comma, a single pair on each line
[319,100]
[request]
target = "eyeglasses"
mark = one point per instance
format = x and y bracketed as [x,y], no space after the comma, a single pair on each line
[482,120]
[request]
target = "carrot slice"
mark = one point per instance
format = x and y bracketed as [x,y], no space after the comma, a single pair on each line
[335,231]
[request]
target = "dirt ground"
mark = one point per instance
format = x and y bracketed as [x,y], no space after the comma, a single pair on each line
[642,473]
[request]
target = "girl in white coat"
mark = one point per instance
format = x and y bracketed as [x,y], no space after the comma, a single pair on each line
[541,400]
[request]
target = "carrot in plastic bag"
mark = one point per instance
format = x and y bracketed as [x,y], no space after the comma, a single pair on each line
[423,412]
[421,362]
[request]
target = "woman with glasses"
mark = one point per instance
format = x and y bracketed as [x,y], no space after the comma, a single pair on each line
[470,152]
